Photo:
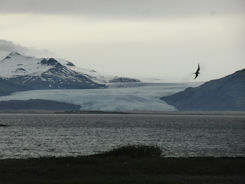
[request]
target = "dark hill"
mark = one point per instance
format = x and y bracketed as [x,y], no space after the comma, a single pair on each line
[225,94]
[37,105]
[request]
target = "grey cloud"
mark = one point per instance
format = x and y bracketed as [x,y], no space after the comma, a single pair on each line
[124,8]
[7,46]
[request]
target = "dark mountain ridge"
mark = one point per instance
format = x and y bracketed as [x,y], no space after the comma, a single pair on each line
[225,94]
[37,104]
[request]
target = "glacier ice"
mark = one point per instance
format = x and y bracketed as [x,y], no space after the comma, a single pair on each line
[139,98]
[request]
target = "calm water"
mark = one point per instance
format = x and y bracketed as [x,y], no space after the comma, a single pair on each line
[35,135]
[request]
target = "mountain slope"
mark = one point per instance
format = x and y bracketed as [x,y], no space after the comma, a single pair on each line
[7,87]
[227,93]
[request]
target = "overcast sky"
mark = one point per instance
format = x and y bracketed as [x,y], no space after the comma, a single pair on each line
[138,38]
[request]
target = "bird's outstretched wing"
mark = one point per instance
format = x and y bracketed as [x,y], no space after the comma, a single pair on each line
[198,69]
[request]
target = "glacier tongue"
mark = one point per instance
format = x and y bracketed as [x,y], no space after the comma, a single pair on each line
[144,98]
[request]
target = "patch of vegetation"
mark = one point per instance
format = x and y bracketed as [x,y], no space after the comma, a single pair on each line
[134,151]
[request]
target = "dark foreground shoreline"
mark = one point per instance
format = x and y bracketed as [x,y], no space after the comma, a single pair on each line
[122,169]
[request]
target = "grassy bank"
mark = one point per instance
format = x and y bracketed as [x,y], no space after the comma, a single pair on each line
[128,165]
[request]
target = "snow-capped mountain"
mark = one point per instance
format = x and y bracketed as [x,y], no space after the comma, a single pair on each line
[43,73]
[51,73]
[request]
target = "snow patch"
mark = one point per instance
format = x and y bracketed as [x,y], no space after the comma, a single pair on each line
[10,66]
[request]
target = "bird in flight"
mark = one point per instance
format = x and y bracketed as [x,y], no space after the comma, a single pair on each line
[197,72]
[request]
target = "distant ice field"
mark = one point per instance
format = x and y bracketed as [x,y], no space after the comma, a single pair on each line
[142,97]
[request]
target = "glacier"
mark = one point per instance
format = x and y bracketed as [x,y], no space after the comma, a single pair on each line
[142,98]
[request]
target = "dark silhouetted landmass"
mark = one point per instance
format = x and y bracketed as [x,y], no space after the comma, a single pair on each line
[225,94]
[37,104]
[123,79]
